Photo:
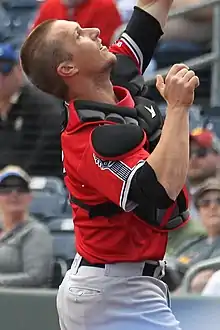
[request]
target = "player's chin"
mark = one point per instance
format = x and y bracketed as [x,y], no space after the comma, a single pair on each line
[109,60]
[105,53]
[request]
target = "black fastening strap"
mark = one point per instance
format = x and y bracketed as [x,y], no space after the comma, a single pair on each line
[108,209]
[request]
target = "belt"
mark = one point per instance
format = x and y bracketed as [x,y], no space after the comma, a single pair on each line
[154,269]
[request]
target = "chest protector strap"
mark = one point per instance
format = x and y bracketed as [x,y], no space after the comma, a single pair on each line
[146,115]
[107,209]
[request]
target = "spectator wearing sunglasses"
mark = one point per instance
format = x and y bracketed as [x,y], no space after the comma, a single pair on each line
[207,201]
[204,156]
[29,121]
[204,161]
[25,244]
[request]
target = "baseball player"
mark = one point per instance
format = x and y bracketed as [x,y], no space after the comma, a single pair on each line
[125,170]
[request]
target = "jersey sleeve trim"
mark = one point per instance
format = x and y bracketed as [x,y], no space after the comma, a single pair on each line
[133,47]
[124,202]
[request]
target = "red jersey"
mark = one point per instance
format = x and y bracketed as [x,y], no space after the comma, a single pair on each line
[123,237]
[92,13]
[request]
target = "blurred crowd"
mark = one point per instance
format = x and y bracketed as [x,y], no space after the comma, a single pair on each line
[36,237]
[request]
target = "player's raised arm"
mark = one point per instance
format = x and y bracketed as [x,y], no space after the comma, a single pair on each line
[143,32]
[159,9]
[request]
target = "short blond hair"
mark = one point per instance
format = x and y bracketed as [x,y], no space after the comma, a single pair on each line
[40,57]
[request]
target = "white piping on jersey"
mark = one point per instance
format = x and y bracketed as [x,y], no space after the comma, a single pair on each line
[134,48]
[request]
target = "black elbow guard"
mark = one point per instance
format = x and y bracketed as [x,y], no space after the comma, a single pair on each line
[145,186]
[149,194]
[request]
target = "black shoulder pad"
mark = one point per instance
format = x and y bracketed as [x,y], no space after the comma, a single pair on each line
[150,119]
[149,115]
[116,140]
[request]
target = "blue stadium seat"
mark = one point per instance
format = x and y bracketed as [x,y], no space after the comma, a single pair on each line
[62,230]
[49,198]
[5,22]
[21,14]
[211,119]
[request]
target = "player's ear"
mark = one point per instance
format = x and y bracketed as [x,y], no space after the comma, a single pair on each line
[67,69]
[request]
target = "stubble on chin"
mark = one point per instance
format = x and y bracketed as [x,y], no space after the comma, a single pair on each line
[109,65]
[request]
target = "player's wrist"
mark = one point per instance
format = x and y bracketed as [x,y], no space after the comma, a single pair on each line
[159,9]
[178,109]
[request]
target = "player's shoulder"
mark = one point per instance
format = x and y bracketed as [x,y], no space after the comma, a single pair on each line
[116,141]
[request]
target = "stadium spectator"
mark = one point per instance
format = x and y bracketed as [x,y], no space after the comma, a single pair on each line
[26,255]
[192,230]
[102,14]
[207,200]
[212,288]
[204,160]
[29,121]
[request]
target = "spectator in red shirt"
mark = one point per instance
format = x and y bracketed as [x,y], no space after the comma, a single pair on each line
[102,14]
[115,279]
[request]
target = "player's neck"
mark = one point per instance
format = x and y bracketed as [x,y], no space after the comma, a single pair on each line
[97,90]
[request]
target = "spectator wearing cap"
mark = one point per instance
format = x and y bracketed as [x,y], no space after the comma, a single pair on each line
[204,160]
[204,156]
[207,201]
[102,14]
[25,244]
[29,121]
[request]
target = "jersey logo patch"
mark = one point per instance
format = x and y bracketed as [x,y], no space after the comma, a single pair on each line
[118,168]
[103,164]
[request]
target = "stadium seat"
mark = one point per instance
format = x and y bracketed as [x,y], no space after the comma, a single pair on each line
[211,119]
[49,198]
[213,263]
[62,231]
[21,14]
[5,22]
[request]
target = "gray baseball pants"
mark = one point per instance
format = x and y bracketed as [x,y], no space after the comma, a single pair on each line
[116,297]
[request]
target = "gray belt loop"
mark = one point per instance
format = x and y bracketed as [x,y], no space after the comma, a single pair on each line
[160,270]
[76,264]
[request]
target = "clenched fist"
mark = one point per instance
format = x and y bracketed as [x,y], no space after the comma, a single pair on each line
[178,87]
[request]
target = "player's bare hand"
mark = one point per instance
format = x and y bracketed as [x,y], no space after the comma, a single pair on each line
[178,87]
